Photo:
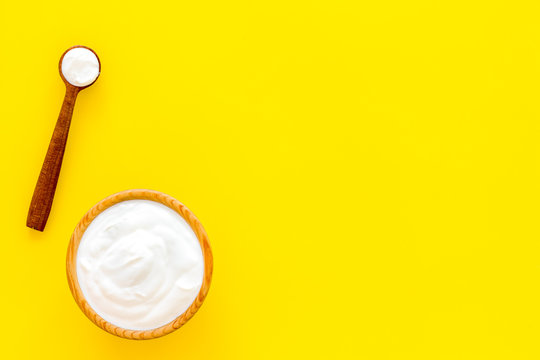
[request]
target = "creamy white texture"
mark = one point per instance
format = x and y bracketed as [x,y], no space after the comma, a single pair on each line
[80,67]
[139,265]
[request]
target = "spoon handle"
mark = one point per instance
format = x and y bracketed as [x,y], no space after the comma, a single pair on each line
[40,207]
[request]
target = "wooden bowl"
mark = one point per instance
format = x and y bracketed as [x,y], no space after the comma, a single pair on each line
[71,262]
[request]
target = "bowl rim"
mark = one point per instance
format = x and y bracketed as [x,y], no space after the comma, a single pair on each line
[71,262]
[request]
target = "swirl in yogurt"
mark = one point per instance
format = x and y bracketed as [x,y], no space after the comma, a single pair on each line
[139,265]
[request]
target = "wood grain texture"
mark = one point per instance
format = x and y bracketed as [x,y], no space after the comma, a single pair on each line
[41,204]
[43,196]
[71,262]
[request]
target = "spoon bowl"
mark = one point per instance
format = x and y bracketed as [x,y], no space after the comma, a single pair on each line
[68,84]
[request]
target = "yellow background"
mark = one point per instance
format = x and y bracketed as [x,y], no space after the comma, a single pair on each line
[368,172]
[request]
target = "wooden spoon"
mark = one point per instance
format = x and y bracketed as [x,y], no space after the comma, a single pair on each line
[40,207]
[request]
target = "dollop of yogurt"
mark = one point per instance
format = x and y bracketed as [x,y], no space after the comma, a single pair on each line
[80,67]
[139,265]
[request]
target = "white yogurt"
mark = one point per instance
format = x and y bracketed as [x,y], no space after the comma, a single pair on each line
[80,67]
[139,265]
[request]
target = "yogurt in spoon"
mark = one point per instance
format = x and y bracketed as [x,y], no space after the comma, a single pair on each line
[80,67]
